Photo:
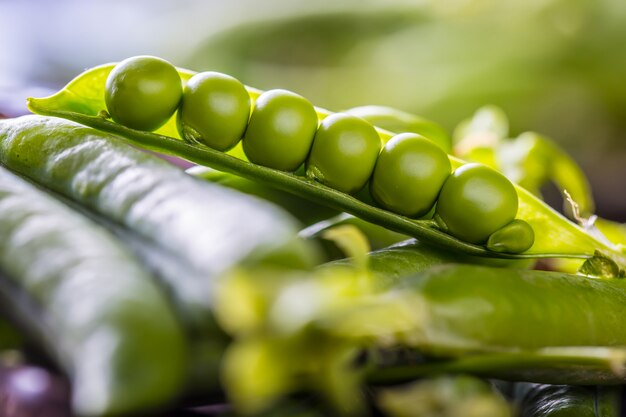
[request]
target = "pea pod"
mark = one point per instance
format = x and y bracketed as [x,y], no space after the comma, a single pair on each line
[81,100]
[491,322]
[207,226]
[83,298]
[538,313]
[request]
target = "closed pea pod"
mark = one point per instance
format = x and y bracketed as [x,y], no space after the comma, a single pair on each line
[409,174]
[474,202]
[214,110]
[205,226]
[344,152]
[280,131]
[88,303]
[143,92]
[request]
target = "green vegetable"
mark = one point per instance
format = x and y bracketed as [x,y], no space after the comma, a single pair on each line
[538,311]
[515,237]
[475,201]
[281,130]
[81,100]
[143,92]
[492,322]
[206,226]
[84,298]
[409,174]
[344,153]
[214,110]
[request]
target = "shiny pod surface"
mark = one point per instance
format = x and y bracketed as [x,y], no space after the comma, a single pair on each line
[515,237]
[476,307]
[280,131]
[206,226]
[143,92]
[344,152]
[214,110]
[89,303]
[409,174]
[474,202]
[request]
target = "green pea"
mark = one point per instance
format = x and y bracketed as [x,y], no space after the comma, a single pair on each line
[409,174]
[214,110]
[516,237]
[344,152]
[280,131]
[143,92]
[474,202]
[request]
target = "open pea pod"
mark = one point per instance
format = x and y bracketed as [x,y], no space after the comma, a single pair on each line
[82,100]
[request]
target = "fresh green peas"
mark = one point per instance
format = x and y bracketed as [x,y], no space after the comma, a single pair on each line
[409,174]
[214,110]
[344,152]
[474,202]
[143,92]
[280,131]
[516,237]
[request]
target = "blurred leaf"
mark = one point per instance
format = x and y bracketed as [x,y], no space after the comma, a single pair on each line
[444,397]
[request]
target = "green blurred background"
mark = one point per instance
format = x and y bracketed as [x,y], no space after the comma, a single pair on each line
[557,67]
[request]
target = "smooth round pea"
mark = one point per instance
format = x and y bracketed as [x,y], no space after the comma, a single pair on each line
[474,202]
[409,174]
[280,131]
[516,237]
[214,110]
[344,152]
[143,92]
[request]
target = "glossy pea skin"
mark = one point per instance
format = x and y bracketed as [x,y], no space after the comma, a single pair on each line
[474,202]
[409,174]
[515,237]
[214,110]
[143,92]
[344,152]
[280,131]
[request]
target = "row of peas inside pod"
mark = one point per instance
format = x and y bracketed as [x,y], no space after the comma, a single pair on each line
[410,175]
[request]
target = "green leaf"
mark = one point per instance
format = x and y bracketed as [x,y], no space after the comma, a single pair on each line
[82,101]
[444,396]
